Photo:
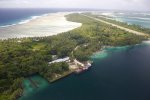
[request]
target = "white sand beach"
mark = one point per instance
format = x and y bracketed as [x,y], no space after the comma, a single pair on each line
[48,25]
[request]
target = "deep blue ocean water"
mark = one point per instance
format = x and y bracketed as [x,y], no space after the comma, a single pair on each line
[14,16]
[11,16]
[118,73]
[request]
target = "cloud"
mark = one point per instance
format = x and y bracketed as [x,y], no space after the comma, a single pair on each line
[99,4]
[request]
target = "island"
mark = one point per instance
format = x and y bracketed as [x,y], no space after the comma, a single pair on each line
[54,57]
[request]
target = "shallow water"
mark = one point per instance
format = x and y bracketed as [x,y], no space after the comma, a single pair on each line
[121,73]
[142,19]
[47,25]
[31,88]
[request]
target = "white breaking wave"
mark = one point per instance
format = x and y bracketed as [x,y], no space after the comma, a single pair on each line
[26,20]
[140,18]
[8,25]
[39,26]
[31,18]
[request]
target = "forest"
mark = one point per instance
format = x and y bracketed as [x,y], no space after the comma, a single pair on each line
[126,25]
[23,57]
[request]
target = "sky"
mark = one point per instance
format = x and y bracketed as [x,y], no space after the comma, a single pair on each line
[93,4]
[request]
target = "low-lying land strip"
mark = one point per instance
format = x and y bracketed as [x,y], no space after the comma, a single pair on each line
[115,25]
[20,58]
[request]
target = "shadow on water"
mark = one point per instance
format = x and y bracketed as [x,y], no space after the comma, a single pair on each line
[33,84]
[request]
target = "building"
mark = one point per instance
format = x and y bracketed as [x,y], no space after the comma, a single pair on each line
[67,59]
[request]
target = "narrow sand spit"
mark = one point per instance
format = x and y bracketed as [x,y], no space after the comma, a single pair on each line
[51,24]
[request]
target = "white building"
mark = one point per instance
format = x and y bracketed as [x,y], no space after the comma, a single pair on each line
[60,60]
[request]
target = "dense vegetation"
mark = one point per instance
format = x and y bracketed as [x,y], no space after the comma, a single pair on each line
[98,34]
[130,26]
[23,57]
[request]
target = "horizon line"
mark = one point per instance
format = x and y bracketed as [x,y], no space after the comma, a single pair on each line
[77,9]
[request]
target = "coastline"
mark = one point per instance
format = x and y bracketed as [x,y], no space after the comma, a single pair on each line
[65,38]
[104,54]
[39,26]
[62,76]
[24,20]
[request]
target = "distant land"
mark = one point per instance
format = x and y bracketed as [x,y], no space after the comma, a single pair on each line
[36,60]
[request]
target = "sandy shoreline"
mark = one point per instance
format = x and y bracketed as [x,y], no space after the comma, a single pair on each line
[48,25]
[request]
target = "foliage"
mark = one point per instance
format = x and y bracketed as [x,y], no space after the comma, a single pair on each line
[31,55]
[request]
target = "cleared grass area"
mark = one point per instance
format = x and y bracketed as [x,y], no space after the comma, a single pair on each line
[38,46]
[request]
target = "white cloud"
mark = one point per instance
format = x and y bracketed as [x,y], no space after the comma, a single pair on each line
[99,4]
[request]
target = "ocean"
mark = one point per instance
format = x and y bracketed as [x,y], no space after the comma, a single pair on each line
[13,16]
[117,73]
[138,18]
[19,23]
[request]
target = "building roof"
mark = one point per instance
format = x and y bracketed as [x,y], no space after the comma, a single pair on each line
[60,60]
